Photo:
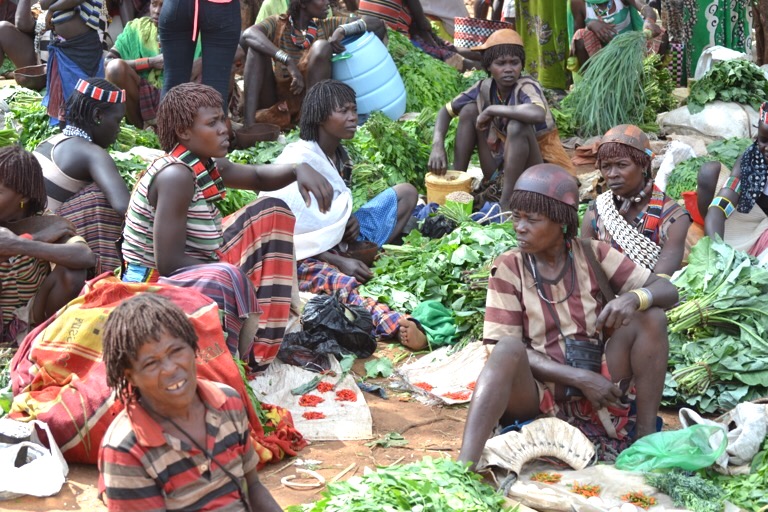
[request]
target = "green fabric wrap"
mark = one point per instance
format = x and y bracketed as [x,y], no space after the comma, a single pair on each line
[437,321]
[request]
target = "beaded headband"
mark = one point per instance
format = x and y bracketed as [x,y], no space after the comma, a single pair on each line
[99,94]
[763,114]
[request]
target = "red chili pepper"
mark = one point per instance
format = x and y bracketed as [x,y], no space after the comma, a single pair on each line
[586,490]
[425,386]
[546,477]
[325,387]
[313,415]
[457,395]
[310,400]
[471,385]
[639,499]
[346,395]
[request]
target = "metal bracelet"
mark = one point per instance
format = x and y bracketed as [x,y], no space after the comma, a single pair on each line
[281,56]
[354,28]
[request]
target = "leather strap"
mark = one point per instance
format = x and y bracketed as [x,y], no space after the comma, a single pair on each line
[602,279]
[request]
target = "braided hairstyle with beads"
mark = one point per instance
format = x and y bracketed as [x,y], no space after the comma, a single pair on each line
[136,321]
[21,172]
[81,107]
[319,103]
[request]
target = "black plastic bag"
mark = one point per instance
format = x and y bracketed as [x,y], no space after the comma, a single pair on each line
[437,226]
[350,326]
[310,350]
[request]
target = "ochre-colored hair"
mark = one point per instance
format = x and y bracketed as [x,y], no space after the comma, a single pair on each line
[136,321]
[502,50]
[319,103]
[178,109]
[617,151]
[21,172]
[554,210]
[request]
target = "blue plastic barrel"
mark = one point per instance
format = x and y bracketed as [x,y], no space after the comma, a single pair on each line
[367,67]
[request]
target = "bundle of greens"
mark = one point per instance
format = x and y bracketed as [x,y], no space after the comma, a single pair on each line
[129,137]
[427,486]
[130,168]
[747,491]
[658,86]
[683,177]
[689,491]
[718,353]
[452,270]
[263,152]
[429,82]
[612,90]
[29,118]
[739,81]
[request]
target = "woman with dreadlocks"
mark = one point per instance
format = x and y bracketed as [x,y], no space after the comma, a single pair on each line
[288,54]
[634,215]
[562,348]
[174,231]
[732,214]
[81,179]
[506,117]
[31,243]
[328,116]
[181,442]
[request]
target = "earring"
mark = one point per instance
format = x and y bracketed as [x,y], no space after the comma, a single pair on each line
[565,228]
[21,205]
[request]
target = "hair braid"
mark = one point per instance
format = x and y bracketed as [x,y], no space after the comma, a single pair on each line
[319,103]
[80,107]
[554,210]
[617,151]
[21,172]
[136,321]
[178,109]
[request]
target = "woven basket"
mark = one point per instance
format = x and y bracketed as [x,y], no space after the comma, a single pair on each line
[471,32]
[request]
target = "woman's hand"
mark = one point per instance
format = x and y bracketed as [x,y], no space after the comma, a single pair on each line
[335,40]
[438,160]
[618,312]
[352,231]
[311,181]
[653,27]
[297,80]
[598,390]
[604,31]
[354,268]
[484,120]
[7,242]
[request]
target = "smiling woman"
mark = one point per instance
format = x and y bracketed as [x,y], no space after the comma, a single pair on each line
[174,425]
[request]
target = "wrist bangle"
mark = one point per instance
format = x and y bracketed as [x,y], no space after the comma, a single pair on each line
[281,56]
[354,28]
[141,64]
[26,236]
[644,297]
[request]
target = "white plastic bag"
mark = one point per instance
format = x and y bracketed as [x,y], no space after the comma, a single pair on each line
[42,471]
[715,54]
[718,120]
[675,153]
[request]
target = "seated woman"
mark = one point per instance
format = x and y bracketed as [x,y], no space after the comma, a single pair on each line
[301,43]
[182,442]
[545,297]
[174,231]
[732,214]
[81,179]
[506,117]
[43,265]
[75,51]
[135,63]
[408,18]
[592,24]
[17,36]
[633,215]
[328,116]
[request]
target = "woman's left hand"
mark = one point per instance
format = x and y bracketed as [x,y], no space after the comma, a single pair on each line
[483,121]
[618,312]
[653,27]
[336,39]
[309,180]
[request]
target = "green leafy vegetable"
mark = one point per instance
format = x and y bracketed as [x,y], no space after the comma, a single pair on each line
[381,366]
[739,81]
[388,441]
[426,486]
[747,491]
[691,492]
[29,118]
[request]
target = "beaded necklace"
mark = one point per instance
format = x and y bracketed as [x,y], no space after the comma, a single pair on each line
[309,35]
[604,12]
[74,131]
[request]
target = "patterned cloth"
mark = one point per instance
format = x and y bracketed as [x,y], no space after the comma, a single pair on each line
[543,27]
[92,12]
[149,100]
[394,13]
[653,222]
[20,278]
[59,376]
[142,467]
[754,176]
[377,217]
[318,277]
[514,308]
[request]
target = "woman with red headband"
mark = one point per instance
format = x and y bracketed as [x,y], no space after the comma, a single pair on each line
[739,212]
[81,179]
[634,215]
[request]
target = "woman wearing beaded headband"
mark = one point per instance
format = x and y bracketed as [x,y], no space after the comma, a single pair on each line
[288,54]
[739,211]
[81,179]
[561,347]
[634,215]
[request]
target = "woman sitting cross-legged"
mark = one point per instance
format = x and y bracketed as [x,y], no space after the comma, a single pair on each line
[81,179]
[174,231]
[634,215]
[181,443]
[561,347]
[328,116]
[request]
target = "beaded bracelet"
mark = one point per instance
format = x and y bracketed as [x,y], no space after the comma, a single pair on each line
[724,204]
[733,184]
[141,64]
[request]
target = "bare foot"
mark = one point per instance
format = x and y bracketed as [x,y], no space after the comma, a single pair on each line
[411,336]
